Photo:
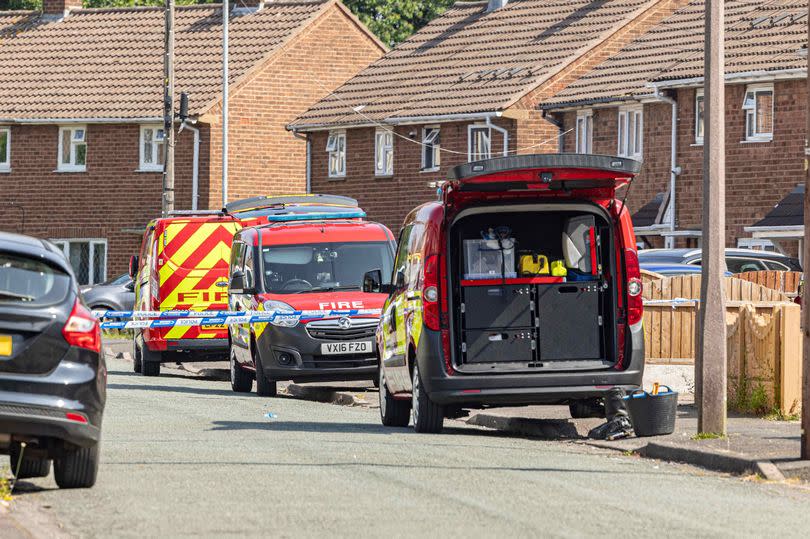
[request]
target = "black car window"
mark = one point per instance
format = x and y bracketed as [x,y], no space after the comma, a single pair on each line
[28,282]
[774,265]
[741,265]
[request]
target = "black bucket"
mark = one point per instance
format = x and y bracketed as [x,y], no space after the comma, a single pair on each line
[653,415]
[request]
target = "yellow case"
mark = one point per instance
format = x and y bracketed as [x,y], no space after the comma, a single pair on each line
[558,269]
[533,265]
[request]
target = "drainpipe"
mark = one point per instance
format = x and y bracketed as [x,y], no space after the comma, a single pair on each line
[560,129]
[674,170]
[195,164]
[502,131]
[306,138]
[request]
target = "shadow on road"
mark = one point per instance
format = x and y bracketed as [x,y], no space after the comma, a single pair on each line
[173,389]
[189,376]
[307,426]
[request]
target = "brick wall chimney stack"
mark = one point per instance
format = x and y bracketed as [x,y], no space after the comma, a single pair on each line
[60,7]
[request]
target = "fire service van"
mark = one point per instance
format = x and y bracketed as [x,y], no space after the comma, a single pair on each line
[314,265]
[520,286]
[183,265]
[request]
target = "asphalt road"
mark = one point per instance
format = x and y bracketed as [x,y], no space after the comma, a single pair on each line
[187,457]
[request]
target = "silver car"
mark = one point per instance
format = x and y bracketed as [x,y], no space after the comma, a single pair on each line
[115,295]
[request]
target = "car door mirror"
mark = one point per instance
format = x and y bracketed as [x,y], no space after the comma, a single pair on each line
[130,286]
[372,281]
[133,266]
[237,283]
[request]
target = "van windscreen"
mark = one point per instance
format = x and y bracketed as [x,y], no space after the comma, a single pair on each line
[323,267]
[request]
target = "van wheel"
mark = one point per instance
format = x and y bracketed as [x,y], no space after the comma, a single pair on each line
[137,361]
[241,381]
[264,387]
[150,362]
[29,467]
[77,469]
[427,415]
[393,412]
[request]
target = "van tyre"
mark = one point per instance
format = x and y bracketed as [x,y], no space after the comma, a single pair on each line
[241,381]
[264,387]
[29,467]
[393,412]
[77,469]
[137,360]
[150,362]
[428,417]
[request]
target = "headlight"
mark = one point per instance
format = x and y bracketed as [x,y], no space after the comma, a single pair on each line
[283,320]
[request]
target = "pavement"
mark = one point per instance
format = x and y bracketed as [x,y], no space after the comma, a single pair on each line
[185,456]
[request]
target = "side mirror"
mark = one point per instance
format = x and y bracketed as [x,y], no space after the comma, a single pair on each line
[133,266]
[237,282]
[130,286]
[372,281]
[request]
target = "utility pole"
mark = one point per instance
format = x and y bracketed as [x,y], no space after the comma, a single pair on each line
[225,13]
[710,367]
[168,109]
[805,442]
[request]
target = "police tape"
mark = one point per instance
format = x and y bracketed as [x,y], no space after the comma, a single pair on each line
[169,319]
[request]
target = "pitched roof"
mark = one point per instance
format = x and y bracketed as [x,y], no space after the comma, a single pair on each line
[108,63]
[470,61]
[788,212]
[760,36]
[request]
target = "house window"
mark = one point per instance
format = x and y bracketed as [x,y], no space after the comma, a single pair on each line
[585,131]
[72,149]
[699,115]
[5,149]
[758,107]
[152,144]
[479,143]
[88,258]
[383,152]
[431,148]
[631,132]
[336,147]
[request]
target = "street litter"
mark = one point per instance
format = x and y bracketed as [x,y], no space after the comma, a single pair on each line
[270,415]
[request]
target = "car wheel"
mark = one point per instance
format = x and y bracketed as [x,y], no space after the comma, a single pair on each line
[393,412]
[264,387]
[77,469]
[241,381]
[28,467]
[150,362]
[137,361]
[428,416]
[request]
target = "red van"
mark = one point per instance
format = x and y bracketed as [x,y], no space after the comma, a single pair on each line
[314,265]
[521,285]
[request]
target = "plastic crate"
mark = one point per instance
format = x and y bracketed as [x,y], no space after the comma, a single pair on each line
[489,259]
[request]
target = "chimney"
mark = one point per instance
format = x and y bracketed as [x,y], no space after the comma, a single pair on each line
[60,8]
[495,5]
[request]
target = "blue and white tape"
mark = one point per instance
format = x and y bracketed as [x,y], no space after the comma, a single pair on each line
[161,319]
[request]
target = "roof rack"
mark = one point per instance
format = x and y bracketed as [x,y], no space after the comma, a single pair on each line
[545,161]
[264,201]
[192,213]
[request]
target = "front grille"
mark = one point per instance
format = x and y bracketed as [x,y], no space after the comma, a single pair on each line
[16,409]
[329,330]
[343,362]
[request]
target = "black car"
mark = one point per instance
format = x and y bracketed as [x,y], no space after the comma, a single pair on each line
[737,260]
[117,294]
[52,374]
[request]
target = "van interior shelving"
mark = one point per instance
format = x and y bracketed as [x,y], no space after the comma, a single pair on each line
[508,321]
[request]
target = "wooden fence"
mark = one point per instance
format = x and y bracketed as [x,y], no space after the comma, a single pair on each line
[786,282]
[688,287]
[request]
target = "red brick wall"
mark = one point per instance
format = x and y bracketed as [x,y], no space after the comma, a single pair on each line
[389,199]
[264,158]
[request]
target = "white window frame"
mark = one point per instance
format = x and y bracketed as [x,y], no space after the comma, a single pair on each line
[64,245]
[5,160]
[631,121]
[157,147]
[700,96]
[74,144]
[751,112]
[383,152]
[584,131]
[336,151]
[431,145]
[477,154]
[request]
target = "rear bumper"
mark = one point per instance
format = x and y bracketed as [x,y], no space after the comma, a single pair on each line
[516,389]
[35,405]
[198,349]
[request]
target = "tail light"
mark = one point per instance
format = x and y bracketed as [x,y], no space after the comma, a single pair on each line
[430,293]
[635,303]
[82,329]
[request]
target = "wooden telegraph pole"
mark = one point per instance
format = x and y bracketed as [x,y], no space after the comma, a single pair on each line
[710,367]
[168,109]
[805,443]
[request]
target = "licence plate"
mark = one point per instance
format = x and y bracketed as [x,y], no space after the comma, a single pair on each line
[5,345]
[355,347]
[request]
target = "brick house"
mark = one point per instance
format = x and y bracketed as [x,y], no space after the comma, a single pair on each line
[81,136]
[467,86]
[642,102]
